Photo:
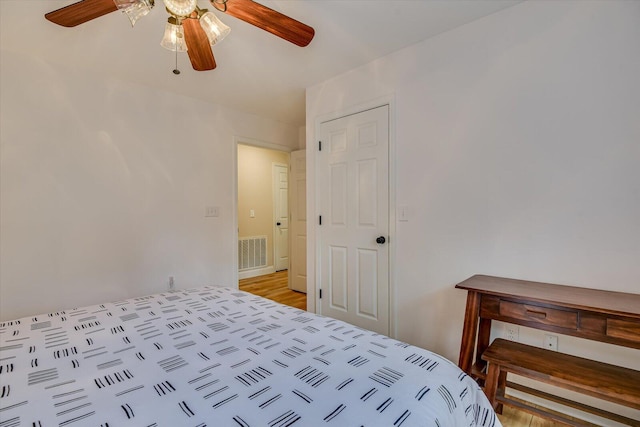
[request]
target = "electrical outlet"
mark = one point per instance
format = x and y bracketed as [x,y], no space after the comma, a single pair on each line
[551,342]
[172,285]
[511,332]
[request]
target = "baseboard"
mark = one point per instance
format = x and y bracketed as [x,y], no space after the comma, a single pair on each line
[246,274]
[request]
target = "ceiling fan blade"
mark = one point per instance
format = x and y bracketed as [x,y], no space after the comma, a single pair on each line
[81,12]
[198,47]
[269,20]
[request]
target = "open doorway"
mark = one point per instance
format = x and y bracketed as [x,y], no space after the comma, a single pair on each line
[263,208]
[274,287]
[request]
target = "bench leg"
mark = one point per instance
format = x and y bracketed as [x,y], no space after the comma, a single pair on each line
[502,387]
[491,384]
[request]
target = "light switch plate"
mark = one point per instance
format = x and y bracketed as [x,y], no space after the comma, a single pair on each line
[211,211]
[403,213]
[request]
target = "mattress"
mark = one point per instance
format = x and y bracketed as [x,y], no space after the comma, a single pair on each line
[215,356]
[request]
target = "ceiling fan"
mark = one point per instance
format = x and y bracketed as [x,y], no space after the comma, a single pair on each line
[190,28]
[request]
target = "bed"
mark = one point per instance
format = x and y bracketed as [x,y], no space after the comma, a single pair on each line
[214,356]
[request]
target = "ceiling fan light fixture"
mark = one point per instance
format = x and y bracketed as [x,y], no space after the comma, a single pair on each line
[215,29]
[221,5]
[180,7]
[188,30]
[173,38]
[134,9]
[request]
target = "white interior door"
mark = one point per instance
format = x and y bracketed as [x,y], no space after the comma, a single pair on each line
[353,177]
[298,223]
[281,216]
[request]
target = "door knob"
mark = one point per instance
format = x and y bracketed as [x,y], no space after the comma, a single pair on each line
[277,223]
[380,240]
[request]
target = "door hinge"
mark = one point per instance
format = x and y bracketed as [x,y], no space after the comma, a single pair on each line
[319,145]
[320,220]
[320,293]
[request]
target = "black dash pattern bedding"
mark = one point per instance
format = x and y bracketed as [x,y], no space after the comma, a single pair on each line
[220,357]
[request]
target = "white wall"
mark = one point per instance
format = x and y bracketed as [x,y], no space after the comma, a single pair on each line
[104,186]
[518,155]
[302,137]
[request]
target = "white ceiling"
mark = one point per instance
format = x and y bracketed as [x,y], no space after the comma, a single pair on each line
[257,72]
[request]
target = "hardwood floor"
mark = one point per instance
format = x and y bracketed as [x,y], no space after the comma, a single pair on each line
[512,417]
[274,287]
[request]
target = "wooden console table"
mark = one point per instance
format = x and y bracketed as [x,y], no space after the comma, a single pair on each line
[606,316]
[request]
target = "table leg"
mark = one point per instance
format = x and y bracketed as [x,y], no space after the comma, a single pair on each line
[469,331]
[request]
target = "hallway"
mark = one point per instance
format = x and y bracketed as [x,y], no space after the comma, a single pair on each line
[274,287]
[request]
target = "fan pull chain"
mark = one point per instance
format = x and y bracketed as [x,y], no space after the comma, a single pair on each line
[175,70]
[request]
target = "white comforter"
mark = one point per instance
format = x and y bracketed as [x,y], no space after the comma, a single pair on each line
[220,357]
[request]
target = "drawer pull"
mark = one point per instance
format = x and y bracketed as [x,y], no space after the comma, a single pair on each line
[538,314]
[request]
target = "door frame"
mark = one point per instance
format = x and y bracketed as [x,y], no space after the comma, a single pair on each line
[274,184]
[240,140]
[313,205]
[294,220]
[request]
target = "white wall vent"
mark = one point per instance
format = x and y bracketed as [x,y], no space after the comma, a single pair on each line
[252,252]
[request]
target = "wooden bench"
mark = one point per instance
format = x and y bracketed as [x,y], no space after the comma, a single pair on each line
[602,380]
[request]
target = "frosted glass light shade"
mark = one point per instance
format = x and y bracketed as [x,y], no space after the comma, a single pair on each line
[173,39]
[180,7]
[135,9]
[215,29]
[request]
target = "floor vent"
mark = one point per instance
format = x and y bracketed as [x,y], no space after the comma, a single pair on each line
[252,252]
